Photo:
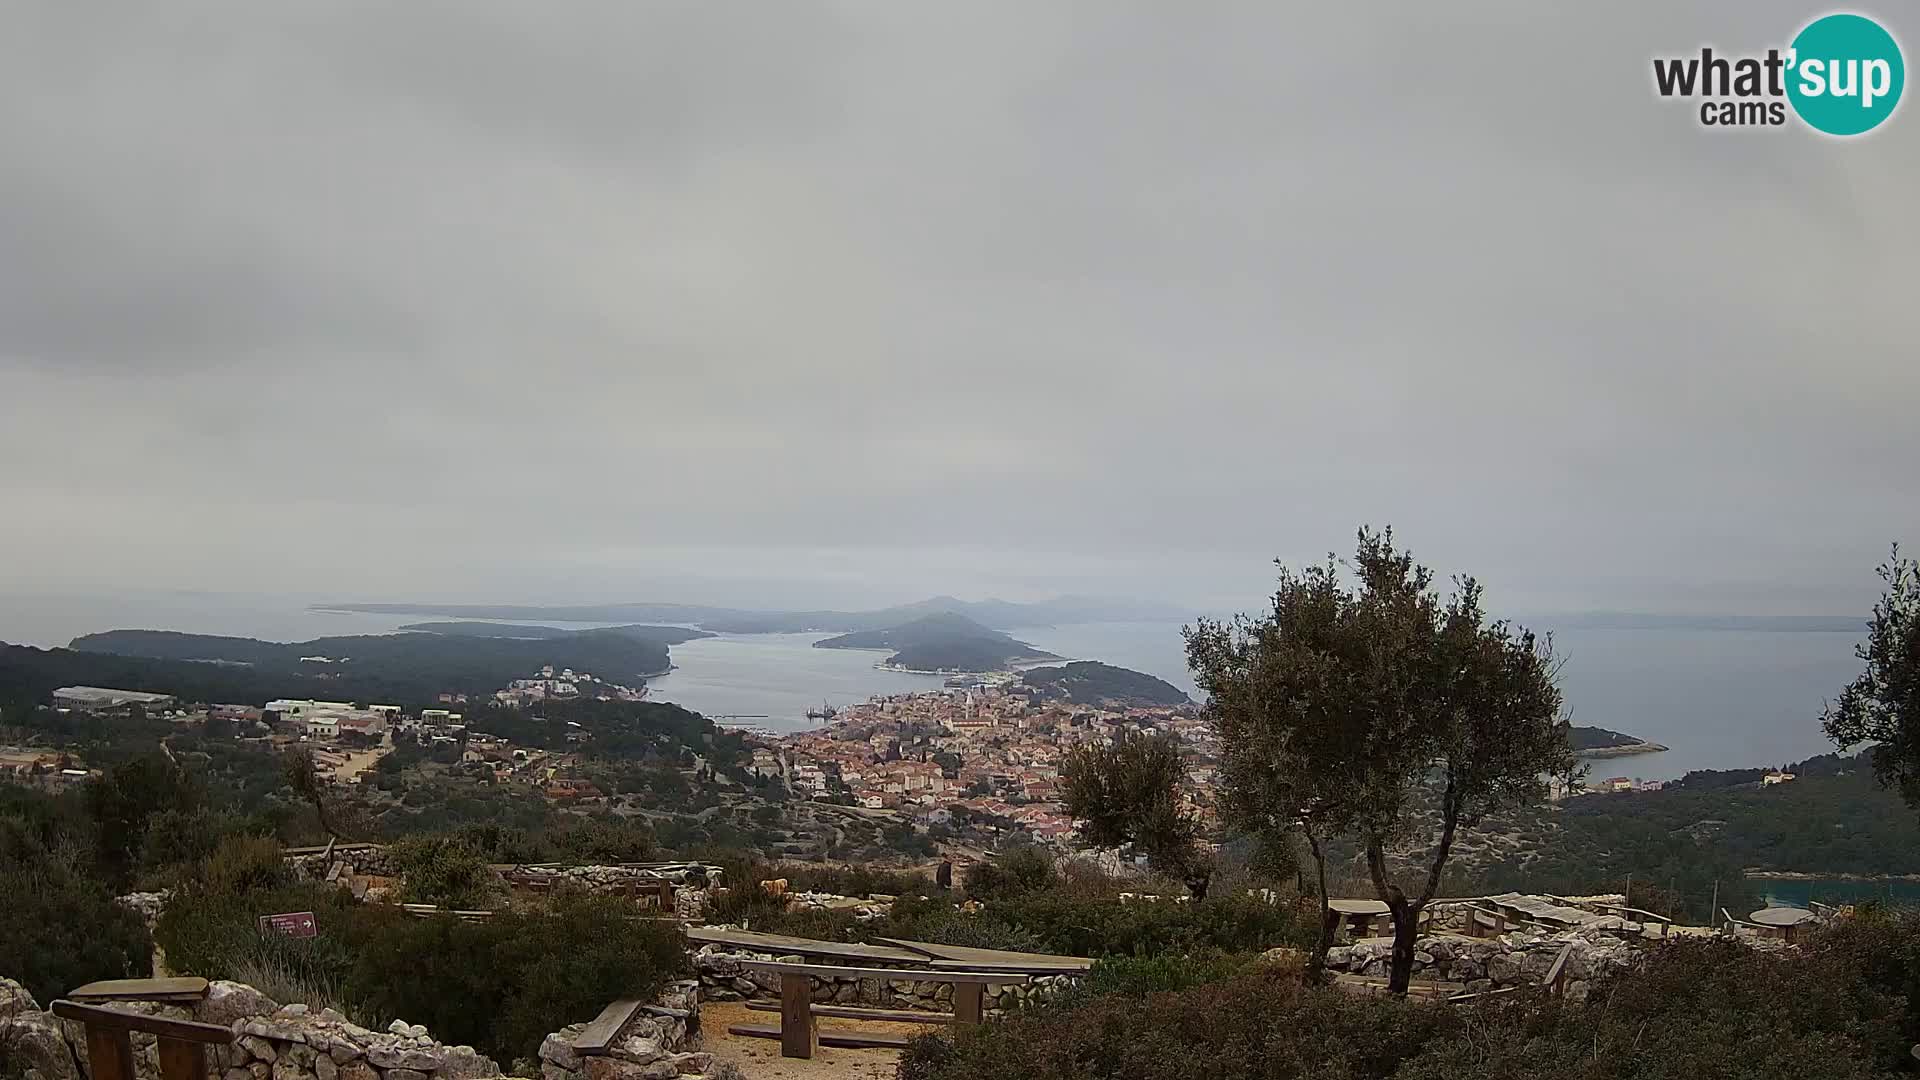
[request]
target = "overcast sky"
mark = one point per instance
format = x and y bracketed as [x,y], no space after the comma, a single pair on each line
[852,303]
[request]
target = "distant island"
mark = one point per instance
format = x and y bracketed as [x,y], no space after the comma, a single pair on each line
[945,643]
[1598,742]
[997,614]
[1089,682]
[403,667]
[666,635]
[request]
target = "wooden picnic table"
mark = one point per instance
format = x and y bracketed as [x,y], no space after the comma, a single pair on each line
[1782,921]
[1359,915]
[800,1035]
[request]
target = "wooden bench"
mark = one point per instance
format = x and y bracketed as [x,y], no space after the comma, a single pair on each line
[1556,979]
[1637,915]
[182,1044]
[599,1035]
[799,1032]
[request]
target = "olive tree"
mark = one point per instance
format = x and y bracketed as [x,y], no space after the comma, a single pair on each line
[1882,706]
[1127,794]
[1367,706]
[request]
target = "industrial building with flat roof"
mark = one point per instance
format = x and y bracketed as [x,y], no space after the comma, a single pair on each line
[104,699]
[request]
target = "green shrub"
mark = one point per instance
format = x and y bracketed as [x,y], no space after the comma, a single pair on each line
[444,869]
[59,926]
[1105,927]
[1696,1010]
[1015,873]
[502,984]
[242,864]
[1141,975]
[850,880]
[215,933]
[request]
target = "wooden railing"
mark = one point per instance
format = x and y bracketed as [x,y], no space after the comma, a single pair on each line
[182,1043]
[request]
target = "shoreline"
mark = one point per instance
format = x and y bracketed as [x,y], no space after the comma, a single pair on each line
[1802,875]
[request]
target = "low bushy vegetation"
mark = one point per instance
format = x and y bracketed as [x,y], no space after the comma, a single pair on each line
[499,985]
[1843,1008]
[1027,902]
[59,925]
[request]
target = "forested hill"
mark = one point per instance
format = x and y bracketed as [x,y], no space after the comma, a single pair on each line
[1088,682]
[401,668]
[943,642]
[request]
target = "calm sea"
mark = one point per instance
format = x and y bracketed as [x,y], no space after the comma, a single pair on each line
[1717,698]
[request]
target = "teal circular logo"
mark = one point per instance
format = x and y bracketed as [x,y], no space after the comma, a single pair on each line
[1845,74]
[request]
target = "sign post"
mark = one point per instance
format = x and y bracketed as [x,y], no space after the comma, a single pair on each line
[294,924]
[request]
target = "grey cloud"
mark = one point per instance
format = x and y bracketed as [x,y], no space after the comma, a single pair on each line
[499,300]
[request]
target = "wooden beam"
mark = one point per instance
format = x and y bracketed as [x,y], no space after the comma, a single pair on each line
[599,1034]
[830,971]
[112,1020]
[851,1012]
[799,1031]
[843,1039]
[141,990]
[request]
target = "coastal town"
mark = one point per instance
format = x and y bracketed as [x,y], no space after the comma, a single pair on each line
[988,749]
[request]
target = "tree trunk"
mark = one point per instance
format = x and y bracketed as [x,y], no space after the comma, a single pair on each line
[1406,918]
[1406,929]
[1329,922]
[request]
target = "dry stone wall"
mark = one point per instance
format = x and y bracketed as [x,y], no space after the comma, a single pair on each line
[294,1042]
[1515,959]
[723,978]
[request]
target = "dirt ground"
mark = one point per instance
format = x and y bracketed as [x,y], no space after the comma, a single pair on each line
[760,1059]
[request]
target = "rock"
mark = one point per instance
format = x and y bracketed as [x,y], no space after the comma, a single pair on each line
[400,1027]
[558,1049]
[1479,986]
[227,1002]
[637,1049]
[288,1069]
[1423,958]
[745,986]
[693,1064]
[259,1048]
[238,1072]
[14,999]
[358,1070]
[35,1044]
[418,1031]
[608,1068]
[550,1071]
[1578,990]
[405,1074]
[343,1051]
[1504,968]
[1339,955]
[464,1063]
[298,1008]
[325,1068]
[260,1070]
